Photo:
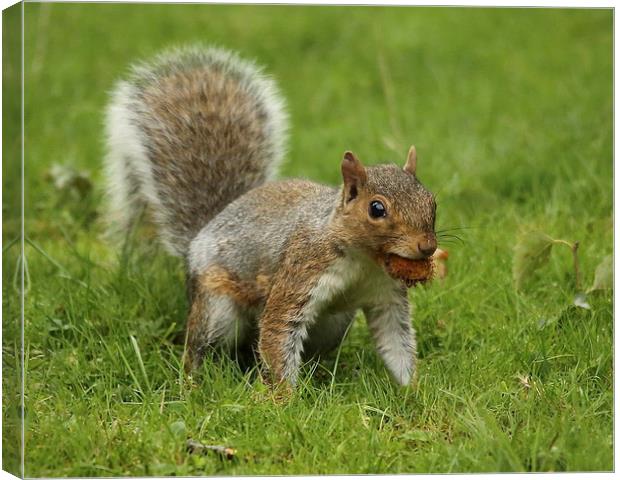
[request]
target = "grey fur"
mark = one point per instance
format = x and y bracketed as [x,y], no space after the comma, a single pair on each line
[249,235]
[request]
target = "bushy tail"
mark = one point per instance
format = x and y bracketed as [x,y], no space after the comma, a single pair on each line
[187,134]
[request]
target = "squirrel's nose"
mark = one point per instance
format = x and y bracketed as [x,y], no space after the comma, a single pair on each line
[427,246]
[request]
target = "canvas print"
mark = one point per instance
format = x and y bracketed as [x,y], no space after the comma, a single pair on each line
[299,240]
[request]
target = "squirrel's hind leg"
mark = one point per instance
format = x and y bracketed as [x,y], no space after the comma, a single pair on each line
[215,321]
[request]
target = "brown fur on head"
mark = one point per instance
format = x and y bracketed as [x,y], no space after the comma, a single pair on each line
[401,223]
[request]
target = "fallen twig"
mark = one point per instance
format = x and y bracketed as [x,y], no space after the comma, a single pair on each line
[194,446]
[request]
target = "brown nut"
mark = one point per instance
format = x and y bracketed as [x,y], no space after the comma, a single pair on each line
[409,271]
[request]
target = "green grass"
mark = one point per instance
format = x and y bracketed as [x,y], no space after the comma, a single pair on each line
[511,112]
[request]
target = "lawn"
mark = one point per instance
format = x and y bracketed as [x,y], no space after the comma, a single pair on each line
[511,113]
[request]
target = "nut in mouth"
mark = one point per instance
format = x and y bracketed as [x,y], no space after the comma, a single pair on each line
[410,272]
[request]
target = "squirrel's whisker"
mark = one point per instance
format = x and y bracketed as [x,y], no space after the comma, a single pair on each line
[450,238]
[448,242]
[454,229]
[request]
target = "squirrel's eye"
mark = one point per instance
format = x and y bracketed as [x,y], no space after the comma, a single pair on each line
[377,209]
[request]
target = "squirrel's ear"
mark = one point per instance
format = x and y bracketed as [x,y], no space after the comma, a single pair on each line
[353,175]
[412,160]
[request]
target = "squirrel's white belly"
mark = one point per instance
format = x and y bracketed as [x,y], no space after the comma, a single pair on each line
[351,283]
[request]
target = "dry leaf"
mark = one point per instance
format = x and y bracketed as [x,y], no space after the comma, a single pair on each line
[67,179]
[581,301]
[524,380]
[604,275]
[531,252]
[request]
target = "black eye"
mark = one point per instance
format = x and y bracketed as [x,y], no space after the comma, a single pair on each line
[377,209]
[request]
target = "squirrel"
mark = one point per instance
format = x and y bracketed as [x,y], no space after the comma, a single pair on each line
[281,266]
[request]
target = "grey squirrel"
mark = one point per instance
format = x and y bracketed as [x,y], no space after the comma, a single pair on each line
[195,137]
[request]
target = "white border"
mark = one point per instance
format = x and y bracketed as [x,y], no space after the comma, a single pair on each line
[545,4]
[431,3]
